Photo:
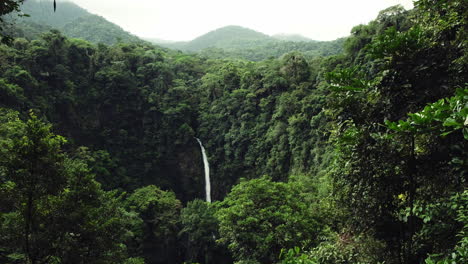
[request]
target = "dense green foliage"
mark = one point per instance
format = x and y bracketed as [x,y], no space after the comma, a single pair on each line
[52,209]
[115,95]
[358,157]
[260,217]
[388,173]
[275,120]
[157,232]
[200,231]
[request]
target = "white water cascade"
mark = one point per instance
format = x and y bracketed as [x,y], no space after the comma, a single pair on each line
[207,172]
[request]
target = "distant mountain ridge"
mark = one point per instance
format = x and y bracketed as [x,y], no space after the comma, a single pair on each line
[227,37]
[234,42]
[239,42]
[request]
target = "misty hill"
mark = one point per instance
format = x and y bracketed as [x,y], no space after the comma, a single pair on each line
[72,20]
[229,37]
[240,42]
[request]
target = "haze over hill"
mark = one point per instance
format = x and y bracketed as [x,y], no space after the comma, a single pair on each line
[226,42]
[231,36]
[182,20]
[292,37]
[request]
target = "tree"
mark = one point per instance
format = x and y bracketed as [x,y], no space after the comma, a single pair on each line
[295,68]
[52,210]
[160,212]
[200,229]
[260,217]
[388,172]
[6,7]
[33,163]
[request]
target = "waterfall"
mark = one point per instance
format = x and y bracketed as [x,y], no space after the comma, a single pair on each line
[207,172]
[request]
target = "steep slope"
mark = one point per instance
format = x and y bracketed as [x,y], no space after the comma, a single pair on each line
[98,30]
[42,12]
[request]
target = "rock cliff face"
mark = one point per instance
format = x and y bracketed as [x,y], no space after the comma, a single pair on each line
[189,172]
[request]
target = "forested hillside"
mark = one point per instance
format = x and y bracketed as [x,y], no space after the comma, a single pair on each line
[72,20]
[355,157]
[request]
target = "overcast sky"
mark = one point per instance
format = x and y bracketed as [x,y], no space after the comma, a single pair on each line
[187,19]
